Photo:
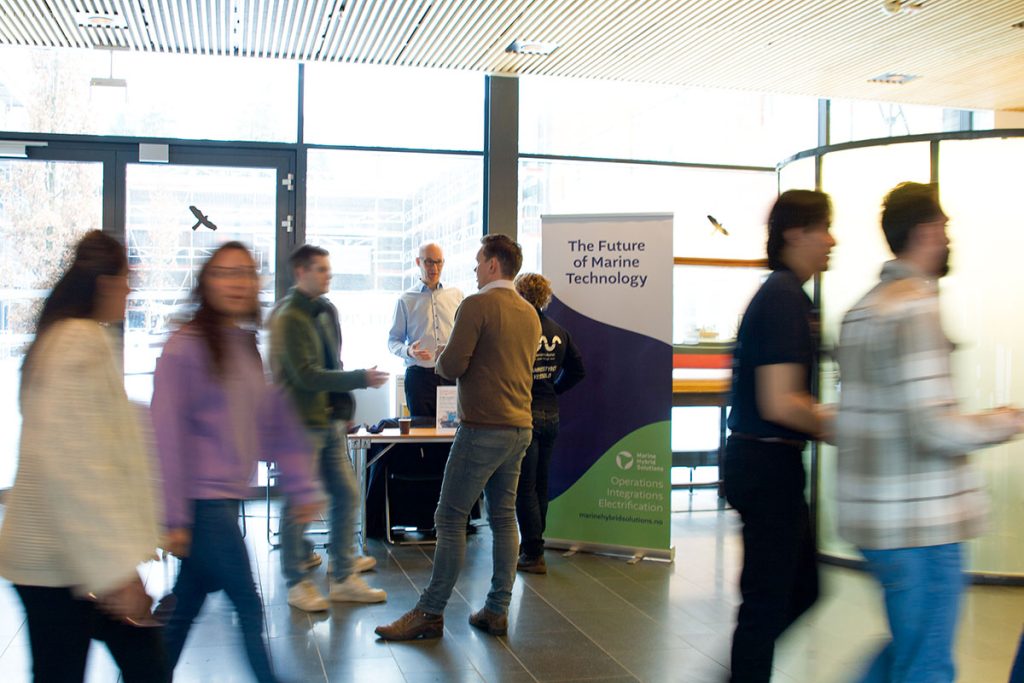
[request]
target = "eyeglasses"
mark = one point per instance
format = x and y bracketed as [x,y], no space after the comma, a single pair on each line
[240,273]
[430,263]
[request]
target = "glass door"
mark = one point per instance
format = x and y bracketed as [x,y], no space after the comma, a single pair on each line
[247,199]
[45,207]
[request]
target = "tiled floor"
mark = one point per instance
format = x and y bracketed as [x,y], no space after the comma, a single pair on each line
[590,618]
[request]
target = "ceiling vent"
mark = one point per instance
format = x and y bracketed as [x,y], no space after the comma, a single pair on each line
[100,20]
[893,78]
[531,47]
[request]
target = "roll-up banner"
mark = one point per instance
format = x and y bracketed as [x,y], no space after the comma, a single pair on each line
[610,476]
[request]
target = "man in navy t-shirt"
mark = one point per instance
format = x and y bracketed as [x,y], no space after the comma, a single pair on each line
[773,416]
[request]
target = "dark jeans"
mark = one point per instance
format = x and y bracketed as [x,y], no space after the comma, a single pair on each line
[532,493]
[764,482]
[218,561]
[61,626]
[1017,674]
[421,390]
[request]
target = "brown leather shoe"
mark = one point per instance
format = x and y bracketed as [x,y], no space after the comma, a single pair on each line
[412,625]
[486,620]
[532,565]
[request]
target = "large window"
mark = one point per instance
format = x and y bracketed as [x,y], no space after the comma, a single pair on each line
[645,123]
[865,120]
[372,210]
[738,200]
[176,96]
[45,207]
[372,106]
[710,299]
[668,123]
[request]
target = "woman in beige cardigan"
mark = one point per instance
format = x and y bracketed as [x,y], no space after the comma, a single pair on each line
[81,515]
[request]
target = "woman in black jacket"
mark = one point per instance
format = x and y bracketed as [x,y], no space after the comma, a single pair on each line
[558,368]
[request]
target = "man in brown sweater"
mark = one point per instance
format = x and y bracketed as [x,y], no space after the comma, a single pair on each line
[490,353]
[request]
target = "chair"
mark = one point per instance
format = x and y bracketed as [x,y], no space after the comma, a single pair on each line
[412,476]
[419,517]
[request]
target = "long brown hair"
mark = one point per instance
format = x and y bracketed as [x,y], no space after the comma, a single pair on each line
[208,322]
[75,294]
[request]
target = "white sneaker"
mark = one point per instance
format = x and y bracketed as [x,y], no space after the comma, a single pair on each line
[305,596]
[312,562]
[354,589]
[360,564]
[363,563]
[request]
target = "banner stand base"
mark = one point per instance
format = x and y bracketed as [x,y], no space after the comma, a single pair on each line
[633,553]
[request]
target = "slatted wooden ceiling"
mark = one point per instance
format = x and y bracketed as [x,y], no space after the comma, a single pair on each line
[967,53]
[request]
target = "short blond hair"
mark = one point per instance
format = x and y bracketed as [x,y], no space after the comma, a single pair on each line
[535,288]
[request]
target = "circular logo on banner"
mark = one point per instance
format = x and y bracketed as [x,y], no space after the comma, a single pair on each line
[624,460]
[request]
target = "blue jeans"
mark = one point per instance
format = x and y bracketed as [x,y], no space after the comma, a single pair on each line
[532,494]
[331,460]
[922,600]
[217,561]
[481,461]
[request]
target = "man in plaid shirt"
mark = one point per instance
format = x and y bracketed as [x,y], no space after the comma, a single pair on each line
[907,495]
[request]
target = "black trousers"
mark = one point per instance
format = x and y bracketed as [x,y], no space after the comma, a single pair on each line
[532,492]
[60,628]
[421,390]
[764,482]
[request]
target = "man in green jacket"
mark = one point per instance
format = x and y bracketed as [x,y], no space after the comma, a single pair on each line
[305,341]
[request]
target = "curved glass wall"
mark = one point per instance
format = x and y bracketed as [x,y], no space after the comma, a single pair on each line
[797,175]
[978,183]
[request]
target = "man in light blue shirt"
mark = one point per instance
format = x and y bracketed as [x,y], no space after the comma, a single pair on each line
[424,316]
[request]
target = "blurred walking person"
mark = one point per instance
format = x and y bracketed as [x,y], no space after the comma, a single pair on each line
[906,493]
[82,513]
[305,344]
[774,415]
[214,416]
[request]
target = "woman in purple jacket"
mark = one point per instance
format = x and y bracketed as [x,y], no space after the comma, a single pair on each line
[214,416]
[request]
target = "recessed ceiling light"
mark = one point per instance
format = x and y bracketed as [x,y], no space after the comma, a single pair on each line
[100,20]
[893,78]
[531,47]
[100,82]
[894,7]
